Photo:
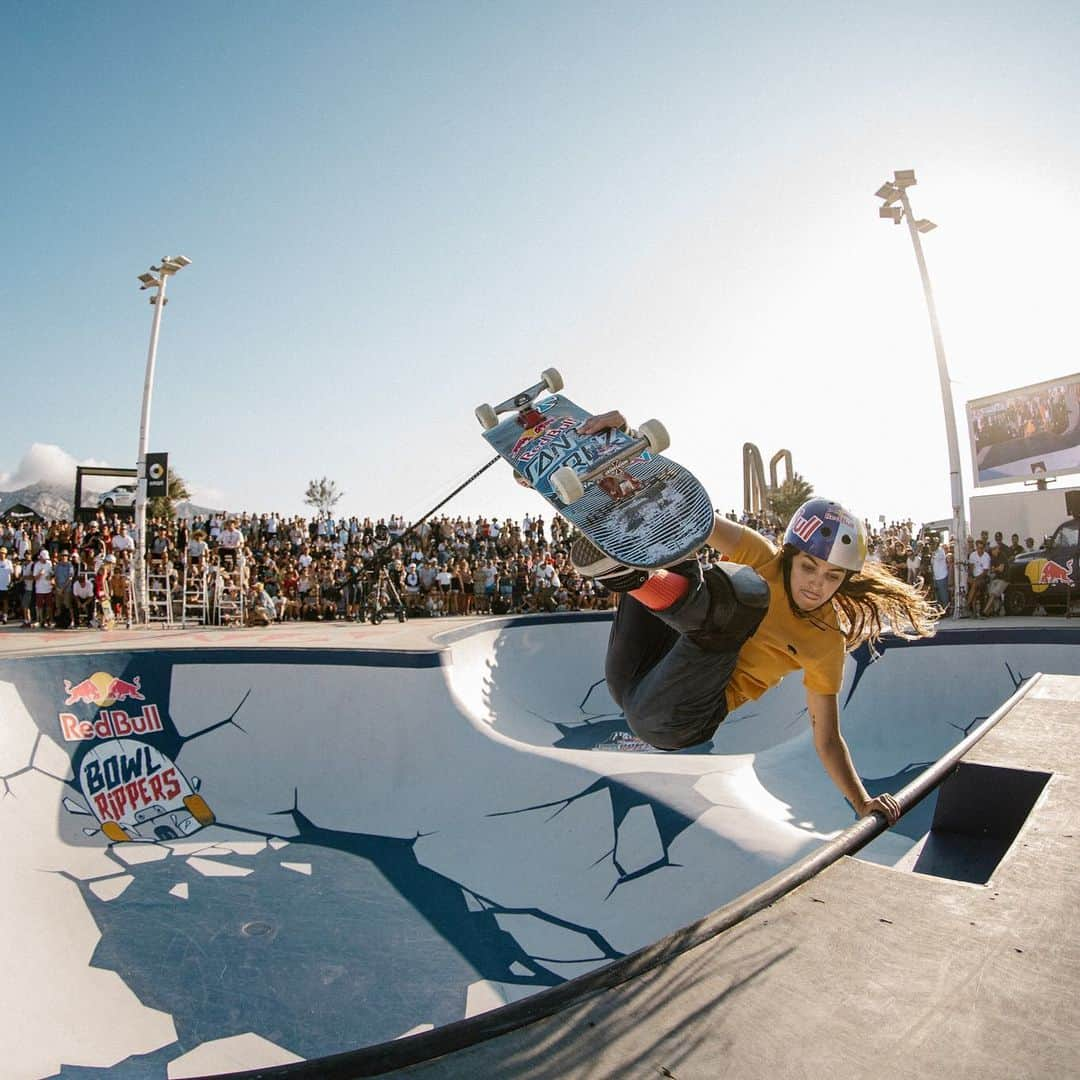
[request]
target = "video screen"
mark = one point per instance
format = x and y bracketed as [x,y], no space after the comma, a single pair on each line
[1026,434]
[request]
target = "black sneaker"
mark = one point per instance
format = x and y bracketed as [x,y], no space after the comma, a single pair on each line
[591,562]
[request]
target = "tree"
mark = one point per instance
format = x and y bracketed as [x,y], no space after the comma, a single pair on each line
[788,497]
[323,495]
[165,505]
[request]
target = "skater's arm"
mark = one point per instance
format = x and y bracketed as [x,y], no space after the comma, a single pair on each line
[824,712]
[726,535]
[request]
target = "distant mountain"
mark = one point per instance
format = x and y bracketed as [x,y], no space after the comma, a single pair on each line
[55,502]
[190,510]
[51,501]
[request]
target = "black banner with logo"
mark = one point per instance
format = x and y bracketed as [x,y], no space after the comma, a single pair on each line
[157,476]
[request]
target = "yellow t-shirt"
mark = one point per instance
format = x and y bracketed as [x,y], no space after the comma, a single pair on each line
[783,643]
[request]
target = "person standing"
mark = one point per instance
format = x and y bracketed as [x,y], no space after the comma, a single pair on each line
[25,571]
[979,577]
[43,587]
[7,581]
[63,579]
[939,562]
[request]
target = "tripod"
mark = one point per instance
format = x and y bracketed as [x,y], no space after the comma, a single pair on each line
[383,586]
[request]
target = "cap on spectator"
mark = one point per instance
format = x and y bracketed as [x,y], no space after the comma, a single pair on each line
[44,554]
[110,558]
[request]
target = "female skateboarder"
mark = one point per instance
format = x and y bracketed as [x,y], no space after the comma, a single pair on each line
[688,646]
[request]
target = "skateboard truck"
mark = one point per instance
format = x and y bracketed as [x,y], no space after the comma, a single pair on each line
[550,381]
[569,484]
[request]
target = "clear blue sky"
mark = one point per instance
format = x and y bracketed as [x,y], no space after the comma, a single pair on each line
[397,211]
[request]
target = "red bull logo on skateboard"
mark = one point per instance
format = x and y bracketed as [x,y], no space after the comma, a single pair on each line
[1042,573]
[536,438]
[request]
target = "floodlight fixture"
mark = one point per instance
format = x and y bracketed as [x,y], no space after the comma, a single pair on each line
[904,178]
[148,280]
[888,192]
[895,213]
[924,226]
[170,265]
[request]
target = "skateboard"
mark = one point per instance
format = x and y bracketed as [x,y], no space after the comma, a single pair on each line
[634,504]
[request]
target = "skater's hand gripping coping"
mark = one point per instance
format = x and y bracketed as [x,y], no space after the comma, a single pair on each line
[604,422]
[883,804]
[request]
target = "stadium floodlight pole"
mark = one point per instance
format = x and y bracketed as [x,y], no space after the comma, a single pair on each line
[892,192]
[168,267]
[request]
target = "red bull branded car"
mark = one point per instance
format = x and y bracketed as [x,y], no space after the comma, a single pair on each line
[1049,577]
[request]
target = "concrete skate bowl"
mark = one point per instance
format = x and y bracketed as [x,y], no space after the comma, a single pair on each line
[233,859]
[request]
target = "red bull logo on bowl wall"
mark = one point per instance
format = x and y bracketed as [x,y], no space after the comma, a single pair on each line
[132,787]
[102,690]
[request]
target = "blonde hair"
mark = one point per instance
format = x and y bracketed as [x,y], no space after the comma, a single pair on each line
[870,602]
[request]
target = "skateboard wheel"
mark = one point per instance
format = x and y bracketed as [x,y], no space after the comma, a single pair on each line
[552,379]
[198,809]
[115,832]
[486,415]
[567,484]
[656,433]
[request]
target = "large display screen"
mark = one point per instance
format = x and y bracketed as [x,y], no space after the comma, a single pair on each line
[1026,434]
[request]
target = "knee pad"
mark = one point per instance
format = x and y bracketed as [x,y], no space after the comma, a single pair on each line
[747,585]
[740,600]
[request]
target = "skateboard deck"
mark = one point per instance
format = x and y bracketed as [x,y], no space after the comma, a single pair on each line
[645,511]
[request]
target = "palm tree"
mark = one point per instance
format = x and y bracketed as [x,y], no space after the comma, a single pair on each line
[788,497]
[165,506]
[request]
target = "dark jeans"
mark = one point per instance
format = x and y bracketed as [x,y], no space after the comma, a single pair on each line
[670,688]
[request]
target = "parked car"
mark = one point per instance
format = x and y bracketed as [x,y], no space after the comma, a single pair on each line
[1047,577]
[120,497]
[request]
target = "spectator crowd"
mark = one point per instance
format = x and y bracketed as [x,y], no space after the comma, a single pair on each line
[67,574]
